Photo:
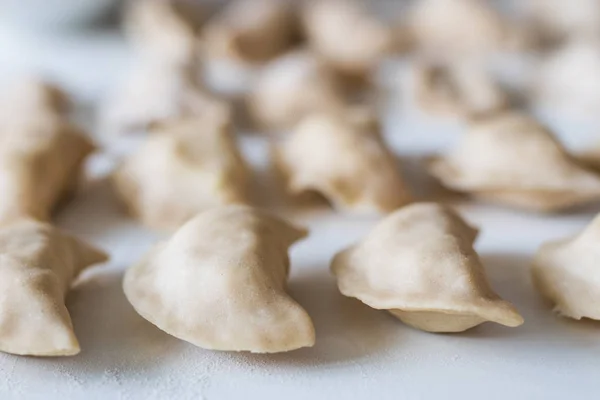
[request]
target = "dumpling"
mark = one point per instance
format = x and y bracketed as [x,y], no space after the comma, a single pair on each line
[343,157]
[185,167]
[512,159]
[153,93]
[252,31]
[419,264]
[346,36]
[457,90]
[453,28]
[220,283]
[291,87]
[158,34]
[41,152]
[568,80]
[566,272]
[237,41]
[38,263]
[557,19]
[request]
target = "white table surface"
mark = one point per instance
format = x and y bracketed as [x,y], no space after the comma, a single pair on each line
[360,353]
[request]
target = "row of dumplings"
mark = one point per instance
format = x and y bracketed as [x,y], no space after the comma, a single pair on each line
[220,281]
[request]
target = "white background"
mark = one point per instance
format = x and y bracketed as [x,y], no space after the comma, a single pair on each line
[360,353]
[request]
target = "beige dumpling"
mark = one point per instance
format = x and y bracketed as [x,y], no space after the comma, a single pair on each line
[250,31]
[559,19]
[512,159]
[457,90]
[343,157]
[568,80]
[220,283]
[38,263]
[291,87]
[419,264]
[183,168]
[159,35]
[346,36]
[41,152]
[452,28]
[567,273]
[153,93]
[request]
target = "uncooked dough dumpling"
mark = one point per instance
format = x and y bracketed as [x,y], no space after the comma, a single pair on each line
[41,152]
[346,36]
[419,264]
[159,35]
[291,87]
[250,31]
[558,19]
[457,28]
[512,159]
[343,157]
[459,90]
[568,79]
[220,283]
[38,263]
[567,273]
[185,167]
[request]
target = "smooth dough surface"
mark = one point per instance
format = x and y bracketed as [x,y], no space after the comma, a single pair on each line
[343,157]
[419,264]
[220,283]
[41,152]
[567,273]
[38,263]
[291,87]
[185,167]
[510,158]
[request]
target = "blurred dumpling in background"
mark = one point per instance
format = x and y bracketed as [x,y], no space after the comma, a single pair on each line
[460,90]
[512,159]
[292,86]
[186,166]
[568,80]
[346,36]
[41,152]
[241,37]
[342,157]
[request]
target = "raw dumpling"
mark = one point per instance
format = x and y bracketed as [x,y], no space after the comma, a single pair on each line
[291,87]
[559,19]
[159,35]
[220,283]
[512,159]
[343,157]
[419,264]
[457,90]
[346,36]
[457,28]
[41,152]
[568,80]
[153,93]
[252,31]
[241,38]
[567,273]
[185,167]
[38,263]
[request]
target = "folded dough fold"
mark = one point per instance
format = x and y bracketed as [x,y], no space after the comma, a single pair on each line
[41,152]
[220,283]
[511,158]
[343,157]
[183,168]
[566,272]
[38,263]
[419,264]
